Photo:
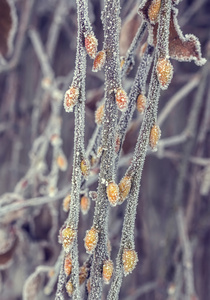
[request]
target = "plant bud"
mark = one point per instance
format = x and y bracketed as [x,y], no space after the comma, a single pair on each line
[99,61]
[124,188]
[99,114]
[62,162]
[91,240]
[155,134]
[71,98]
[121,99]
[66,203]
[85,167]
[68,265]
[68,235]
[69,288]
[88,285]
[129,259]
[117,144]
[143,49]
[82,274]
[112,191]
[107,271]
[154,10]
[84,205]
[91,44]
[141,103]
[164,72]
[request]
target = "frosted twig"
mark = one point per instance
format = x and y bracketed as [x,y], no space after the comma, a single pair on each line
[187,255]
[41,54]
[112,82]
[135,170]
[147,287]
[28,5]
[130,53]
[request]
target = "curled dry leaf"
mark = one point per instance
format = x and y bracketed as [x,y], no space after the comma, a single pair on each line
[129,29]
[8,26]
[181,47]
[8,245]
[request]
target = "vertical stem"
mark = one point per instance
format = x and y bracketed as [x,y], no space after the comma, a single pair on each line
[112,81]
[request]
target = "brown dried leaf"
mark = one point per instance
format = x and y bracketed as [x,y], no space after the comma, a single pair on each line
[8,22]
[129,29]
[8,244]
[181,47]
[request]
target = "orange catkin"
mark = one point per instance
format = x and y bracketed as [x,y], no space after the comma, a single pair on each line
[91,45]
[124,187]
[71,98]
[107,270]
[130,260]
[99,114]
[155,134]
[85,167]
[91,239]
[69,288]
[164,72]
[68,235]
[112,191]
[84,205]
[141,103]
[66,203]
[154,10]
[62,162]
[68,265]
[121,99]
[99,61]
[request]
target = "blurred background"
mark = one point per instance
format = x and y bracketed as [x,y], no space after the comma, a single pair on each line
[37,59]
